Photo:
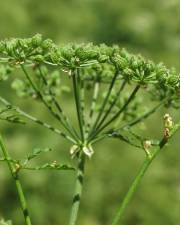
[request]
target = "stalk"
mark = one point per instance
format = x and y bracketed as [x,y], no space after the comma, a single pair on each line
[78,105]
[38,121]
[131,97]
[104,104]
[47,105]
[56,103]
[133,188]
[17,183]
[80,83]
[111,106]
[77,190]
[131,191]
[93,105]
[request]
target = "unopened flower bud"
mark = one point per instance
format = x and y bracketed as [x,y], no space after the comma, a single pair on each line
[73,150]
[168,123]
[166,133]
[88,151]
[147,144]
[54,164]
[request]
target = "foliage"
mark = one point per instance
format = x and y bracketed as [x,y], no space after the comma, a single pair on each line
[2,222]
[151,28]
[90,68]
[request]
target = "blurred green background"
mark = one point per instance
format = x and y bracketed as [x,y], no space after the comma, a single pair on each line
[148,27]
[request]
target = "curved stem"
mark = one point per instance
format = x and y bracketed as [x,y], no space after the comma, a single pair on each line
[17,183]
[77,191]
[139,177]
[131,191]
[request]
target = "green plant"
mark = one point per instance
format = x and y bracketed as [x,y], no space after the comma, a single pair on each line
[107,83]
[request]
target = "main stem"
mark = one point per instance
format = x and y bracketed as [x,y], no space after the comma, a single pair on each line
[17,183]
[78,190]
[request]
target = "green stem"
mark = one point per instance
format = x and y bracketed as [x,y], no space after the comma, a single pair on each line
[37,121]
[144,116]
[131,191]
[77,191]
[131,97]
[56,103]
[111,106]
[93,105]
[78,105]
[46,104]
[17,182]
[80,82]
[104,103]
[139,177]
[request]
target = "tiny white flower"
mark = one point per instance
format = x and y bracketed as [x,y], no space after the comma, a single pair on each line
[73,150]
[168,122]
[88,151]
[147,144]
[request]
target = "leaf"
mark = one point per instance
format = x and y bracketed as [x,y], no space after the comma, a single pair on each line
[2,222]
[51,166]
[2,159]
[36,152]
[127,137]
[9,114]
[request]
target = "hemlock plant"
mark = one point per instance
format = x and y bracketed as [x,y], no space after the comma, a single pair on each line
[107,84]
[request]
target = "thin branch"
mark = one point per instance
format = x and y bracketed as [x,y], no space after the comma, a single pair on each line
[104,103]
[112,104]
[93,104]
[131,97]
[77,102]
[35,120]
[80,83]
[143,117]
[46,104]
[56,103]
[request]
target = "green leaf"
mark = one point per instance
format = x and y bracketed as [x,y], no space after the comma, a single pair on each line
[36,152]
[51,166]
[2,222]
[10,115]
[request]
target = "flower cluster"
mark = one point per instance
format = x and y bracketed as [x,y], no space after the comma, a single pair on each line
[96,62]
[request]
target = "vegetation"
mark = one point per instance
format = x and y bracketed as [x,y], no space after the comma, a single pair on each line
[146,27]
[90,70]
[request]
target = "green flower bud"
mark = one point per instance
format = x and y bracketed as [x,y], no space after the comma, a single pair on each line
[103,58]
[47,44]
[55,58]
[38,58]
[36,40]
[67,53]
[2,47]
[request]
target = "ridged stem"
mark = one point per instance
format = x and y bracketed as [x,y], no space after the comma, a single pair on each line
[77,190]
[18,185]
[139,177]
